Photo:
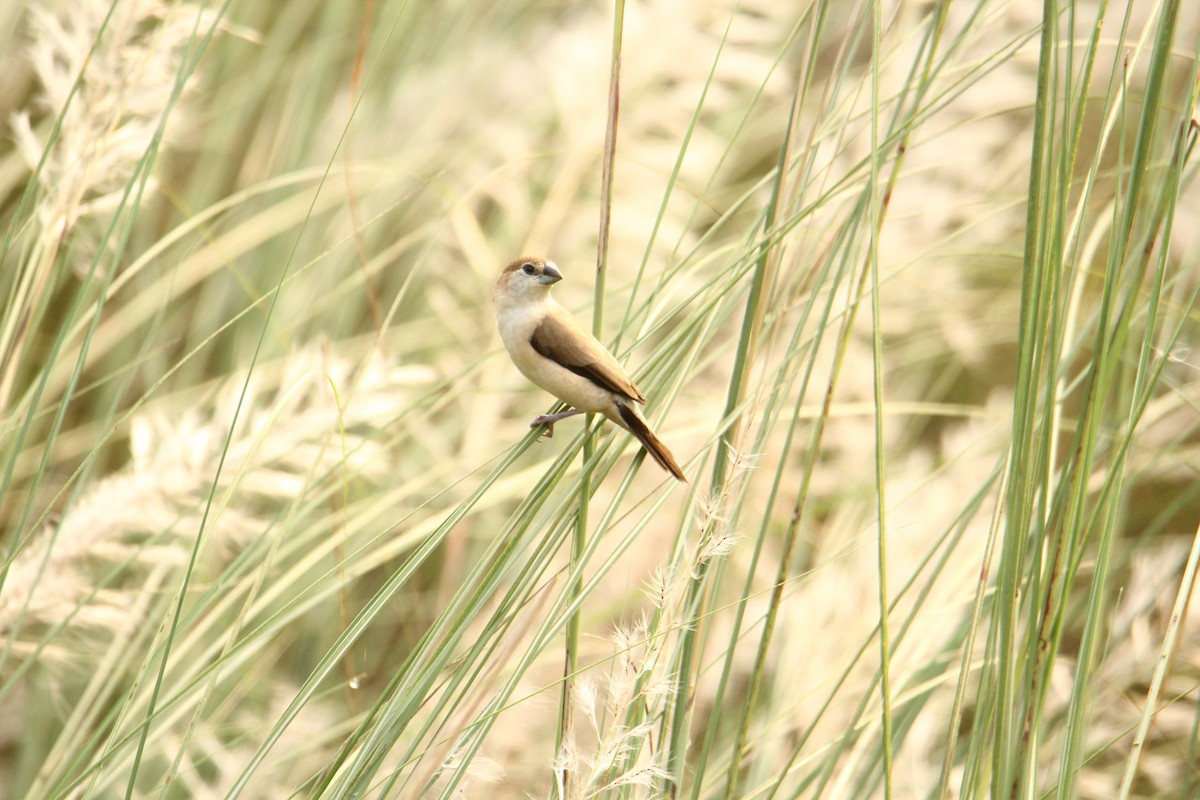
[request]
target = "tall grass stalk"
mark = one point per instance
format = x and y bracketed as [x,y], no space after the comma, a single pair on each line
[875,207]
[579,541]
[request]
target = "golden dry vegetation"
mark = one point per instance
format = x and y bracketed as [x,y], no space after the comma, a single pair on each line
[911,287]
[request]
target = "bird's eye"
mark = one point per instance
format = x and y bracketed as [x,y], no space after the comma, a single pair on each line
[528,268]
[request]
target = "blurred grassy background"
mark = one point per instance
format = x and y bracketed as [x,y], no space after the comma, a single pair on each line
[274,524]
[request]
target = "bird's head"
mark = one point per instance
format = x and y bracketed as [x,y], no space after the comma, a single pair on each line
[527,278]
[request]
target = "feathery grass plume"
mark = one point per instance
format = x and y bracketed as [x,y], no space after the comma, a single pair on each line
[109,77]
[83,572]
[214,753]
[89,589]
[107,72]
[619,754]
[479,770]
[637,689]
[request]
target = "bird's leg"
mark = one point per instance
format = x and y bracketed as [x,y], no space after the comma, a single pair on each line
[549,419]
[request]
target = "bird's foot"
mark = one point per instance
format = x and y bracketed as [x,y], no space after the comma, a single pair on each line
[548,420]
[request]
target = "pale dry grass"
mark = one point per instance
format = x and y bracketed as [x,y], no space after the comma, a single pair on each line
[379,399]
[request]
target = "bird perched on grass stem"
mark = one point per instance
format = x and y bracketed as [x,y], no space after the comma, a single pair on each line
[555,352]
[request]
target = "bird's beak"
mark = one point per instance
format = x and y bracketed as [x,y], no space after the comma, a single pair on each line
[550,274]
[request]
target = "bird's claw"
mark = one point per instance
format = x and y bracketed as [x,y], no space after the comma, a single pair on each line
[548,421]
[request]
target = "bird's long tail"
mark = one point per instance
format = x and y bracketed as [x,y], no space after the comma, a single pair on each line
[657,450]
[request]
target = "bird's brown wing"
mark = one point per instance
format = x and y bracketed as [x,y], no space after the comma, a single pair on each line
[561,341]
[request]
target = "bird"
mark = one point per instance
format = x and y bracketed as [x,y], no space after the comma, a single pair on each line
[551,349]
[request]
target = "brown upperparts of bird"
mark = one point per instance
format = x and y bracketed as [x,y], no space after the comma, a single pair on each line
[551,349]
